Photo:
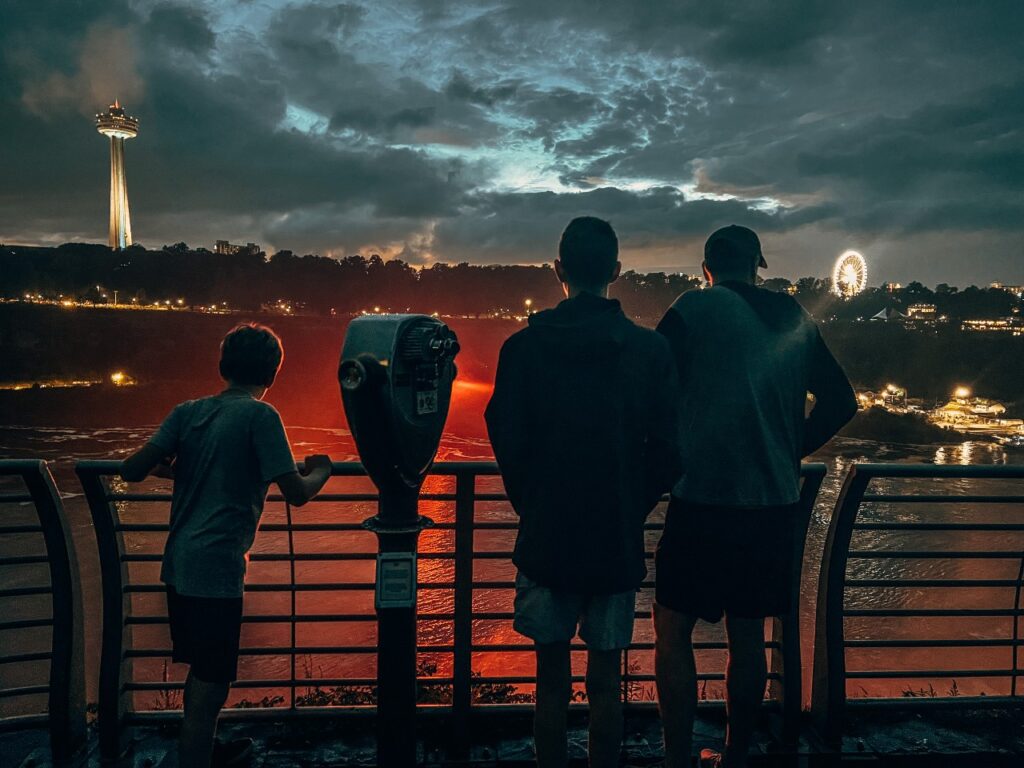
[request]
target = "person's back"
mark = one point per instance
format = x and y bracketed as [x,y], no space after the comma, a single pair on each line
[584,428]
[746,360]
[222,452]
[585,381]
[746,357]
[228,448]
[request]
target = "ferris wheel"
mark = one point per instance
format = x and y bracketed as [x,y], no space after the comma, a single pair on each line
[850,274]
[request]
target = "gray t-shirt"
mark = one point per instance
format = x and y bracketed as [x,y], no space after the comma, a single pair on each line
[747,359]
[227,449]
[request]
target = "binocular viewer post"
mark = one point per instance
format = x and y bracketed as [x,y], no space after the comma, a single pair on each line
[396,375]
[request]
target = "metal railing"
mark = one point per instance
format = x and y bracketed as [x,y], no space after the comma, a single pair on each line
[457,558]
[867,596]
[65,686]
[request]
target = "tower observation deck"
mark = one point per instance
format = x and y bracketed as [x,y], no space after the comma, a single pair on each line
[118,126]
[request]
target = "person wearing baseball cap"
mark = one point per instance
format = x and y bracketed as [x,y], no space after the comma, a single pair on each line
[746,358]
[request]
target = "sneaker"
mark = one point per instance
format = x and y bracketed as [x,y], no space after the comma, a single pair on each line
[709,758]
[232,753]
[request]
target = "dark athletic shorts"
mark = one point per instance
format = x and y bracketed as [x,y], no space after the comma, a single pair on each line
[715,560]
[205,633]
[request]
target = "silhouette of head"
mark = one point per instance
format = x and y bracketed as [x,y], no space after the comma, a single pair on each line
[588,255]
[733,253]
[251,355]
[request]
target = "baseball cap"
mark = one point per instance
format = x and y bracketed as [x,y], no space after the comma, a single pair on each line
[740,240]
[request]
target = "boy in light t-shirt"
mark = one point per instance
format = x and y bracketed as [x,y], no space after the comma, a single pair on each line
[226,450]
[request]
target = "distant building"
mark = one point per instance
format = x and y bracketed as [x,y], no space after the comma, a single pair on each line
[967,413]
[1000,325]
[1016,290]
[922,315]
[231,249]
[923,311]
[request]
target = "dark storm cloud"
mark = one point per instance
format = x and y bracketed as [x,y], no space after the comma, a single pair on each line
[181,26]
[474,130]
[508,227]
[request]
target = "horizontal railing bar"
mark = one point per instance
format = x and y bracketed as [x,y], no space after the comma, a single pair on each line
[28,690]
[932,612]
[288,650]
[708,645]
[882,554]
[909,674]
[941,471]
[25,624]
[24,560]
[279,683]
[15,498]
[939,702]
[944,583]
[20,722]
[981,527]
[918,498]
[278,618]
[938,643]
[338,468]
[26,591]
[354,586]
[20,658]
[303,618]
[15,529]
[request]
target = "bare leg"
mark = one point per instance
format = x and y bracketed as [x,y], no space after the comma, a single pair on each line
[604,692]
[676,674]
[745,678]
[203,702]
[554,687]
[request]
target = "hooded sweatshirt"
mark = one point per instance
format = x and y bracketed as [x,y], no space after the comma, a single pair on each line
[747,357]
[584,427]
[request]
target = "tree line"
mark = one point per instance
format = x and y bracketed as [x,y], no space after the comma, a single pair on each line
[323,285]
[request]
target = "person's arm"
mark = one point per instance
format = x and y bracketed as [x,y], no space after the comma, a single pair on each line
[149,459]
[277,465]
[156,453]
[506,423]
[662,461]
[834,400]
[298,489]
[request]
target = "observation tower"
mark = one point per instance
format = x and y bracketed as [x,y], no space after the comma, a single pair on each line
[119,126]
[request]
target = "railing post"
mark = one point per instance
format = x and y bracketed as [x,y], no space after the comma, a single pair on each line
[115,667]
[462,674]
[67,664]
[828,692]
[786,659]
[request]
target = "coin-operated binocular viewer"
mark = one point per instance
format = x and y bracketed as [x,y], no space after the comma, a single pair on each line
[396,375]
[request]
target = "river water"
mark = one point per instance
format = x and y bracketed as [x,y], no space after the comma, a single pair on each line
[62,446]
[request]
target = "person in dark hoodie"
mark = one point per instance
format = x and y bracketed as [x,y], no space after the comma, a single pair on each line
[583,425]
[746,357]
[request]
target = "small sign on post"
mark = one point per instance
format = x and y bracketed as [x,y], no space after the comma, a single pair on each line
[396,580]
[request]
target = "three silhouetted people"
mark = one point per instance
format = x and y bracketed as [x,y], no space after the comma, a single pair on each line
[746,358]
[583,425]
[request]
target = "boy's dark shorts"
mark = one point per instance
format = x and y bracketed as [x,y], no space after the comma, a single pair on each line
[204,634]
[715,560]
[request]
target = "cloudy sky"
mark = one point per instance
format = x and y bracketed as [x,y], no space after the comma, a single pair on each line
[472,131]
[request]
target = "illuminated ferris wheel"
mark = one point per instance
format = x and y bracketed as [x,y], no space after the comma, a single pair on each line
[849,275]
